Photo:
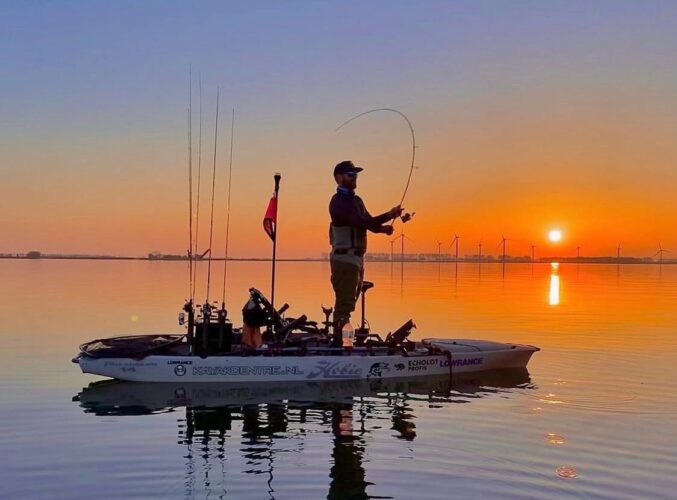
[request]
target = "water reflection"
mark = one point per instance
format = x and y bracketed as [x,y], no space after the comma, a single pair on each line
[402,278]
[273,417]
[553,297]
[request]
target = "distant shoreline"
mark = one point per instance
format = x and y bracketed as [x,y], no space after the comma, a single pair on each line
[171,259]
[397,259]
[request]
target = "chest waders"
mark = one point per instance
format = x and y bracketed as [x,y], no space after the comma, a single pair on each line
[349,245]
[347,239]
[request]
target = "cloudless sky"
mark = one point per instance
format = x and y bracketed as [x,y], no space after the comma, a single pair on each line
[528,116]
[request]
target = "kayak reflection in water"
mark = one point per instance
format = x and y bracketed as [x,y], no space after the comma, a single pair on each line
[274,416]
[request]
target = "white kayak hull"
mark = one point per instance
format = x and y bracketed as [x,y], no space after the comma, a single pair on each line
[465,356]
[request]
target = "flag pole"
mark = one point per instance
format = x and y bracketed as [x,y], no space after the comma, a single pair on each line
[277,178]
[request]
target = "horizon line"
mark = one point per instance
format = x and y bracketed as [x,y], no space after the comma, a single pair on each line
[375,257]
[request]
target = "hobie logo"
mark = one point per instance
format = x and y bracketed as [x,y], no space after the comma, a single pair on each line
[337,369]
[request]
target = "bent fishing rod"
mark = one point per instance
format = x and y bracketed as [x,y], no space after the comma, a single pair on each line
[407,216]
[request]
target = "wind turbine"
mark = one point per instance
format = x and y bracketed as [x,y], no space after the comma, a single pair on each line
[533,248]
[455,240]
[618,251]
[479,247]
[401,237]
[392,242]
[578,252]
[660,252]
[503,240]
[439,254]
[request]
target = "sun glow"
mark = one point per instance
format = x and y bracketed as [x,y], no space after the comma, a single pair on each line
[555,235]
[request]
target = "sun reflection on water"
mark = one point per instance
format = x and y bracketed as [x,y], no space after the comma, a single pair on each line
[553,297]
[552,399]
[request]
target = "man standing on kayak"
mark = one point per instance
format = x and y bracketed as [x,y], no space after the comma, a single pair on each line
[350,221]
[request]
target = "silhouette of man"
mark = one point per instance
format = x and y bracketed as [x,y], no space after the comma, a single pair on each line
[350,222]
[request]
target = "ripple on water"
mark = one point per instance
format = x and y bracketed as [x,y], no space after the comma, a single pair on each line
[567,472]
[605,403]
[555,439]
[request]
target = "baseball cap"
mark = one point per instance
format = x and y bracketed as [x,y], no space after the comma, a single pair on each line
[345,167]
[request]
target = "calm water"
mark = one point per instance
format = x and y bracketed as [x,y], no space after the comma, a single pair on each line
[593,417]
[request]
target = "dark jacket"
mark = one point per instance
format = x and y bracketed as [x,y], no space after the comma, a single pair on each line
[347,209]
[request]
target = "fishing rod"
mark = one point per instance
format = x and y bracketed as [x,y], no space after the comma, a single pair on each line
[230,176]
[199,170]
[211,224]
[190,183]
[406,217]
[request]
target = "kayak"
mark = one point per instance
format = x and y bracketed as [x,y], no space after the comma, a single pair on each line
[170,360]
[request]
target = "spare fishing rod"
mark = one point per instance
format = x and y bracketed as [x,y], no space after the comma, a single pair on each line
[225,327]
[407,216]
[188,306]
[190,183]
[207,307]
[225,330]
[230,177]
[211,222]
[196,255]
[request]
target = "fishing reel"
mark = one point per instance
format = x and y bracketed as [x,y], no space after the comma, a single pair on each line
[187,313]
[407,217]
[404,218]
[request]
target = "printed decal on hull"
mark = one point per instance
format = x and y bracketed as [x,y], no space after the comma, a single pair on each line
[335,370]
[378,369]
[418,365]
[462,362]
[211,371]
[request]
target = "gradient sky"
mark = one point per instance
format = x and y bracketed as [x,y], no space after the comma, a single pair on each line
[529,116]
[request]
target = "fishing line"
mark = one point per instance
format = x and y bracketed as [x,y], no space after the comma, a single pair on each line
[230,176]
[211,223]
[413,141]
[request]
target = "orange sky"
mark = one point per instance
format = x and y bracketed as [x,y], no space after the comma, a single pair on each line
[487,167]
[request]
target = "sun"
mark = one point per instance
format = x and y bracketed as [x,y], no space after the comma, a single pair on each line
[555,235]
